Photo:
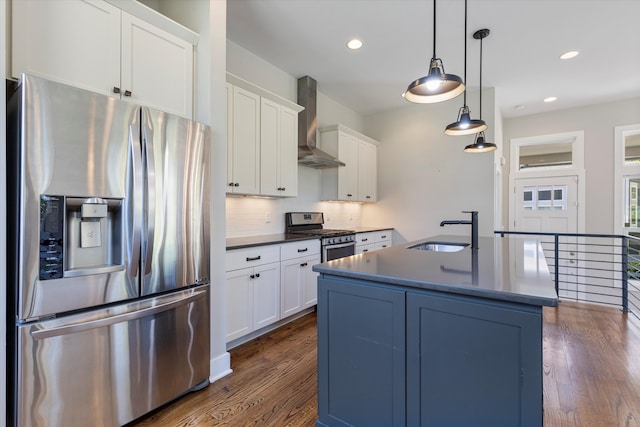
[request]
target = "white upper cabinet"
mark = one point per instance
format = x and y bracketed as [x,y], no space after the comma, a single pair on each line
[357,180]
[156,67]
[262,141]
[96,46]
[243,141]
[278,150]
[367,171]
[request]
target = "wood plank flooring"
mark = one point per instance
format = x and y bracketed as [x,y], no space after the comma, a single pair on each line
[591,362]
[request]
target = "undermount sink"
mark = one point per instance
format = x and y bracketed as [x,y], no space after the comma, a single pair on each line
[439,246]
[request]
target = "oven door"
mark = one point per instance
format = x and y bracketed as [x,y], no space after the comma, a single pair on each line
[341,250]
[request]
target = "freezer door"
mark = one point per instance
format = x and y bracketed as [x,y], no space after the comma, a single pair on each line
[67,145]
[108,367]
[175,234]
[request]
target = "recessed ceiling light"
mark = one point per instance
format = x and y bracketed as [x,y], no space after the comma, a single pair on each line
[570,54]
[354,44]
[550,99]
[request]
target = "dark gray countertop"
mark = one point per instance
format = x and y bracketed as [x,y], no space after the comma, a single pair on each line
[274,239]
[509,269]
[368,229]
[266,239]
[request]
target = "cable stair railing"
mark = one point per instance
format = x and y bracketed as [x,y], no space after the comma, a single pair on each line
[593,268]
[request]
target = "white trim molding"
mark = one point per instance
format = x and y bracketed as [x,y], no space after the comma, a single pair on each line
[576,139]
[620,170]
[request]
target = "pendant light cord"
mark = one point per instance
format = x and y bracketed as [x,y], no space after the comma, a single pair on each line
[481,78]
[434,29]
[465,52]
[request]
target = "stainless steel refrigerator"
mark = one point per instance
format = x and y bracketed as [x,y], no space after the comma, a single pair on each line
[108,269]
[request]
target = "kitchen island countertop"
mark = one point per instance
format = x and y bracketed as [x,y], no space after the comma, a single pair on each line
[509,269]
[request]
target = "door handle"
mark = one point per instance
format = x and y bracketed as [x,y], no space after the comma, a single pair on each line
[147,141]
[134,204]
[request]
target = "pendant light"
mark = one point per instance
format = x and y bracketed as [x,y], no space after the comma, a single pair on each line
[465,125]
[436,86]
[480,145]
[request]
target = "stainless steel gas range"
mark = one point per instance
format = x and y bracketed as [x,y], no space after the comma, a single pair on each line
[334,243]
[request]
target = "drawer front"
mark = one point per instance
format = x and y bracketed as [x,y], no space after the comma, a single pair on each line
[383,236]
[365,238]
[299,249]
[363,249]
[250,257]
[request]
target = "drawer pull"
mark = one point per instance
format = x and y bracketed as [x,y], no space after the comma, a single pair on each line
[383,237]
[303,250]
[304,264]
[364,240]
[255,258]
[365,250]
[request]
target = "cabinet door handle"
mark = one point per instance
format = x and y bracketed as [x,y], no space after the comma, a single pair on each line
[253,276]
[116,89]
[368,197]
[349,195]
[303,250]
[257,274]
[127,93]
[304,264]
[235,184]
[284,188]
[365,250]
[231,184]
[364,240]
[383,237]
[255,258]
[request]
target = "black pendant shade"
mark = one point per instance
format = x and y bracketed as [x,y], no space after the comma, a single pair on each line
[465,125]
[480,145]
[436,86]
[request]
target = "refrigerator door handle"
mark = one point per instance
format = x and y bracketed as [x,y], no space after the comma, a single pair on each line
[150,200]
[119,318]
[135,199]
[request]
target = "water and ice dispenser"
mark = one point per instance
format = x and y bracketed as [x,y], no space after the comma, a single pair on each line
[80,236]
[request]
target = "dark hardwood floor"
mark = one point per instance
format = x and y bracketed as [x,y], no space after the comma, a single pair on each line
[591,376]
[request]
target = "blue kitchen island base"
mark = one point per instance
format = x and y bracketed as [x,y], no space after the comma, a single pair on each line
[390,355]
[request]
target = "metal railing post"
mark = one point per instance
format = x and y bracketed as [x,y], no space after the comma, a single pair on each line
[556,260]
[625,274]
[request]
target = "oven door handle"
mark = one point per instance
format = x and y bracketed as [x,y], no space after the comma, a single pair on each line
[341,245]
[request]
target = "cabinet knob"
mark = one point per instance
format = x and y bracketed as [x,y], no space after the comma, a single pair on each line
[127,93]
[364,240]
[257,274]
[304,264]
[235,184]
[253,276]
[349,195]
[368,197]
[116,89]
[231,184]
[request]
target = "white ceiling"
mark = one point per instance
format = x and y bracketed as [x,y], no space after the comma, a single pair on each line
[520,56]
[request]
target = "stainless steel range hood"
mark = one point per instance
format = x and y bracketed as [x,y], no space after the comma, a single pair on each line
[308,154]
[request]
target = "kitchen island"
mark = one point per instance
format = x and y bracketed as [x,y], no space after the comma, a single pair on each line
[412,337]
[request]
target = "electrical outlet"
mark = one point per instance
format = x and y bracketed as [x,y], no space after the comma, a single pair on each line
[267,217]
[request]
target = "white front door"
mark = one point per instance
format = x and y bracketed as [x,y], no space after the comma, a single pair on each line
[550,205]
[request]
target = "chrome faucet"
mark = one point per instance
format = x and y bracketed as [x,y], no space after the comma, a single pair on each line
[473,223]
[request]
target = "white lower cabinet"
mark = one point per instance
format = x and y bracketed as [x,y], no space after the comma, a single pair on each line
[299,282]
[269,283]
[253,289]
[372,241]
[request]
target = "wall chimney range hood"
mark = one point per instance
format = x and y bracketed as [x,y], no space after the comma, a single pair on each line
[308,154]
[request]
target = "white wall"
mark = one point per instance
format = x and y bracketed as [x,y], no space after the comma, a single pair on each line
[598,123]
[424,176]
[247,216]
